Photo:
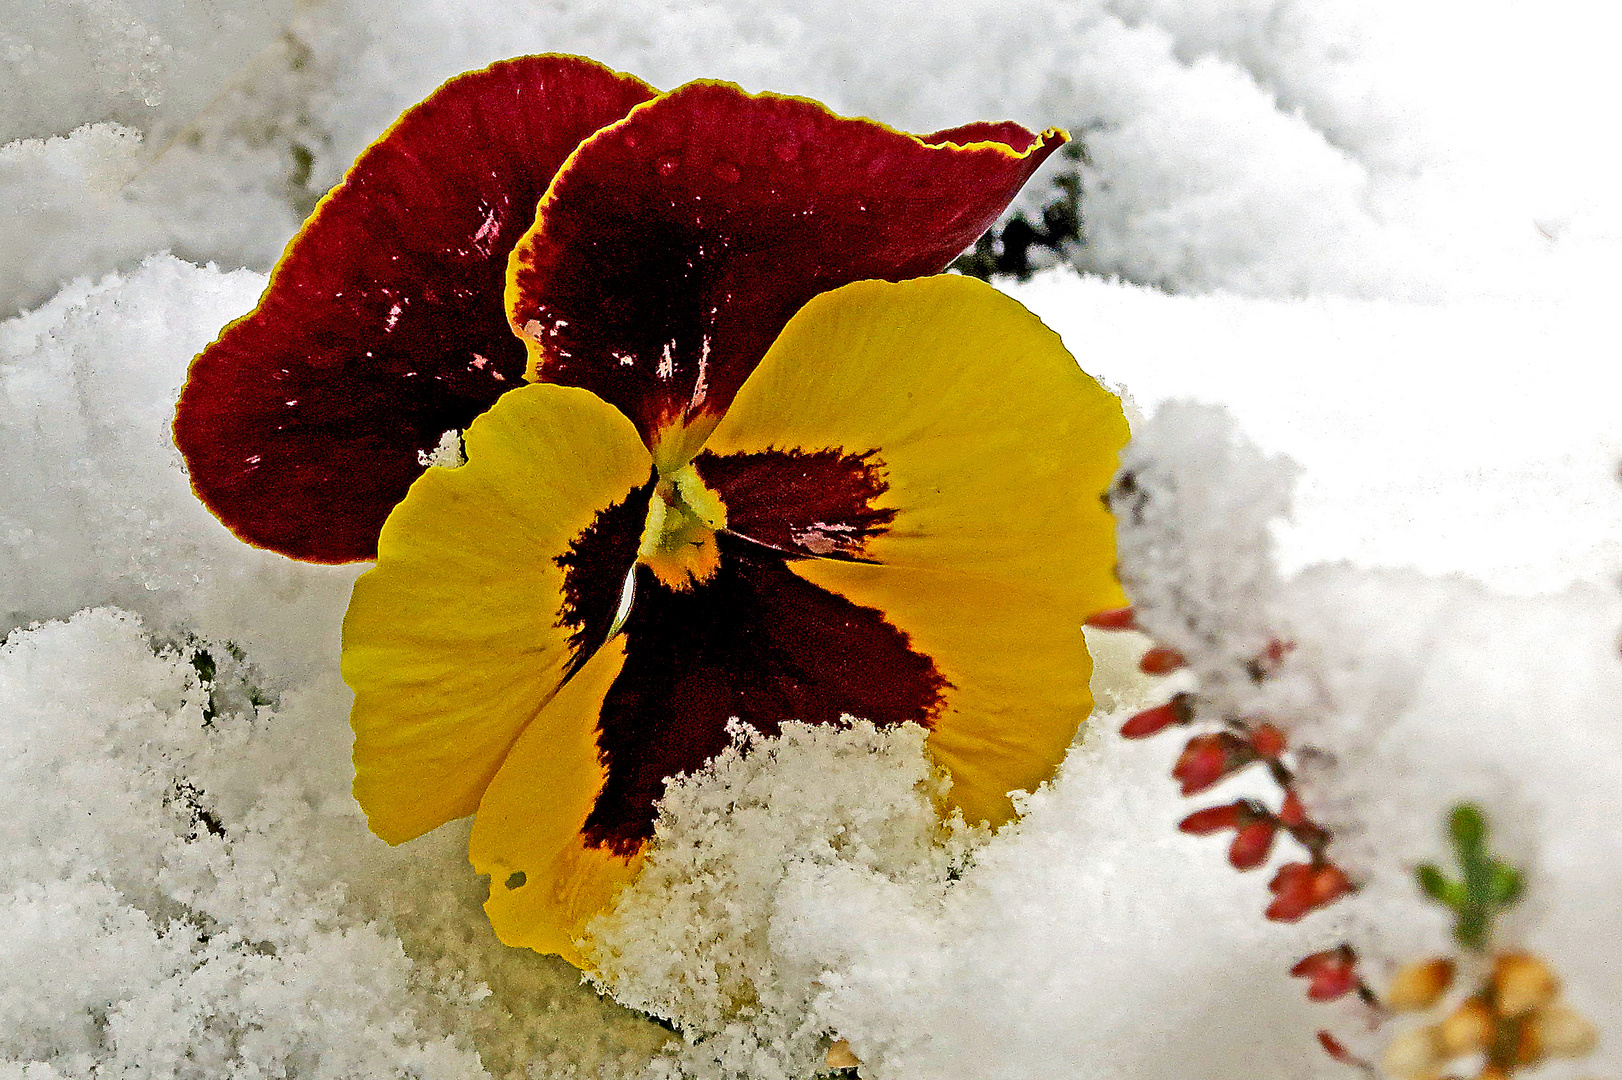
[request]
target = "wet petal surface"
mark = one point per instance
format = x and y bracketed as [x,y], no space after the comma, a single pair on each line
[676,244]
[383,326]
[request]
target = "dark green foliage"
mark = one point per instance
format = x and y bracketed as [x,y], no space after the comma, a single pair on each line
[224,672]
[1008,249]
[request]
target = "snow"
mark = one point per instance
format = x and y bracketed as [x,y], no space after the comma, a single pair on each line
[94,506]
[1382,237]
[1421,691]
[706,937]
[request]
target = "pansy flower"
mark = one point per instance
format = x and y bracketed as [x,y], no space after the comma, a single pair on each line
[730,455]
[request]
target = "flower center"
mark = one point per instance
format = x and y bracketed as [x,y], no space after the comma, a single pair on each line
[678,541]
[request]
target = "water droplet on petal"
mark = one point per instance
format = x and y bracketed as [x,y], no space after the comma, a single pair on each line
[630,139]
[787,148]
[669,164]
[727,172]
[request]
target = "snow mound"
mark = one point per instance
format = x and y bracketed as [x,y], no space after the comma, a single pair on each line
[187,890]
[738,850]
[95,507]
[151,930]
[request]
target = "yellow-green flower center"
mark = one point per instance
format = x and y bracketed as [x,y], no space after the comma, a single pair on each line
[678,540]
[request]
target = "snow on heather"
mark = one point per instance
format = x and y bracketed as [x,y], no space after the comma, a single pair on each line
[1419,693]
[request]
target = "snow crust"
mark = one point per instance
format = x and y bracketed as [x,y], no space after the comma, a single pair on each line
[1383,236]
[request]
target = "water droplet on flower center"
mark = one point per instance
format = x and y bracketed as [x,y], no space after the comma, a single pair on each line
[669,164]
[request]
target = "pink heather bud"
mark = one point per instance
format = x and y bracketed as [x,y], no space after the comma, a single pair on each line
[1330,974]
[1208,758]
[1252,843]
[1213,819]
[1301,887]
[1292,892]
[1202,763]
[1155,720]
[1308,966]
[1116,619]
[1329,883]
[1268,741]
[1292,814]
[1160,661]
[1337,1050]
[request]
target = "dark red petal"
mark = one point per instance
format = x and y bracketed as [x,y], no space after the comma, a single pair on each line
[1006,132]
[757,642]
[383,326]
[675,245]
[806,503]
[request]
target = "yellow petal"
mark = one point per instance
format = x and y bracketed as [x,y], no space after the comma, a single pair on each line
[996,448]
[456,639]
[545,882]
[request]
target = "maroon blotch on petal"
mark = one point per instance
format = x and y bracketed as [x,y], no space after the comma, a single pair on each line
[809,503]
[674,247]
[594,573]
[383,326]
[756,642]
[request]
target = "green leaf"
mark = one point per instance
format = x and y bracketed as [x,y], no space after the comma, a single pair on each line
[1486,887]
[1472,927]
[1469,829]
[1436,885]
[1505,884]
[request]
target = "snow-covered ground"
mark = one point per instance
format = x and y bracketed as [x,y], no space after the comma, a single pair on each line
[1383,236]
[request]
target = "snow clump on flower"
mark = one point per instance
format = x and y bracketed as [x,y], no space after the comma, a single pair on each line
[737,848]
